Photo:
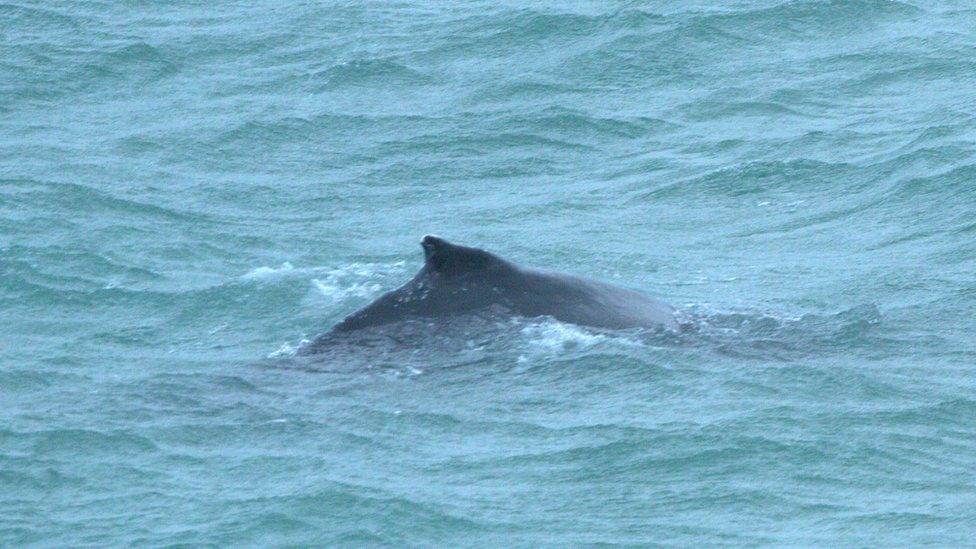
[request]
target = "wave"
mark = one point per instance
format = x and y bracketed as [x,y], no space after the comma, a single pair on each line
[755,178]
[41,73]
[578,124]
[795,18]
[367,72]
[68,199]
[62,442]
[13,16]
[268,133]
[766,337]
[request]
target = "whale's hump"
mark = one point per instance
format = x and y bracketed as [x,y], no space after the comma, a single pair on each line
[440,256]
[459,280]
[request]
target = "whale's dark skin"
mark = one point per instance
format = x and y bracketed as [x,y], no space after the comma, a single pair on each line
[457,279]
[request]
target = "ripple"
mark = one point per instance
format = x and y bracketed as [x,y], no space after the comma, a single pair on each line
[69,198]
[368,72]
[60,442]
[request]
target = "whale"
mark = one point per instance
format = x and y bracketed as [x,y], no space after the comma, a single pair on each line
[457,280]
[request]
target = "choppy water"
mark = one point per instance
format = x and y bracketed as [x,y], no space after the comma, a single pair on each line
[188,191]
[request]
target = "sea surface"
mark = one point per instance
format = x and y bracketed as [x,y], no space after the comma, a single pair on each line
[191,191]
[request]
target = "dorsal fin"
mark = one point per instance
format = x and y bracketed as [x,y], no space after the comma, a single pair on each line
[432,245]
[442,257]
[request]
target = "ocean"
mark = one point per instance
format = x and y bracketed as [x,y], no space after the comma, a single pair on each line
[191,191]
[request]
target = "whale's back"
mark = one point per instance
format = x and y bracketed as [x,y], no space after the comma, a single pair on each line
[458,279]
[589,302]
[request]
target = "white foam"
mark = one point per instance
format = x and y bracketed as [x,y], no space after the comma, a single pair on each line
[265,273]
[334,290]
[334,284]
[555,335]
[287,349]
[550,336]
[355,280]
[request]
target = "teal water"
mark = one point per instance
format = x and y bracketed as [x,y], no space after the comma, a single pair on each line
[189,191]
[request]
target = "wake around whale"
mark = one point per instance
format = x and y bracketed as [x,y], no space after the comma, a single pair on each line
[457,280]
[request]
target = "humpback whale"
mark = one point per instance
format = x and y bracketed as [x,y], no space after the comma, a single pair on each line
[458,279]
